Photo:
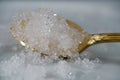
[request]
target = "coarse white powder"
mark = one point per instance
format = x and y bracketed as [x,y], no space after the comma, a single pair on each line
[26,65]
[46,32]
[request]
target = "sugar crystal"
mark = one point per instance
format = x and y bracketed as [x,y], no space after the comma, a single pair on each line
[46,32]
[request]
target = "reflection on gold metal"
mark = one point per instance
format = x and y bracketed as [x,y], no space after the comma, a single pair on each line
[73,25]
[22,43]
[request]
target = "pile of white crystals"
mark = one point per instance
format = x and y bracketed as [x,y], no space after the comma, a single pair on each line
[46,32]
[26,65]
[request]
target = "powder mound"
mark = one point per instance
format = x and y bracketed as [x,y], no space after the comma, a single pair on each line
[46,32]
[31,66]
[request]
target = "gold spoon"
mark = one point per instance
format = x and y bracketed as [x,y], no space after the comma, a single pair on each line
[89,40]
[92,39]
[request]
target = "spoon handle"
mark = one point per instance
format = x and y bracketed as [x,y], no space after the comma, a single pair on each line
[93,39]
[105,38]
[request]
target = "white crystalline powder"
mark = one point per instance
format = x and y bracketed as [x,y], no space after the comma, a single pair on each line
[30,66]
[46,32]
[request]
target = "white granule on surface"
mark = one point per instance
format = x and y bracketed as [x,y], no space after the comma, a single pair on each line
[30,66]
[46,32]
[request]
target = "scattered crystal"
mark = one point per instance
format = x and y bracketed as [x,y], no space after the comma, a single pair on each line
[31,66]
